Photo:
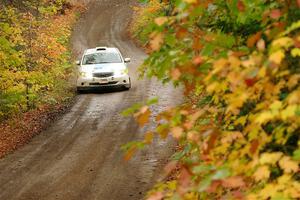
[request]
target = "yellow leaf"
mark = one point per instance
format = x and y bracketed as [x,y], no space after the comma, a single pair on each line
[285,42]
[288,165]
[262,173]
[252,197]
[264,117]
[277,57]
[148,137]
[295,52]
[163,131]
[211,88]
[270,190]
[270,158]
[276,105]
[190,1]
[293,80]
[294,98]
[295,190]
[219,65]
[284,179]
[234,61]
[290,111]
[262,72]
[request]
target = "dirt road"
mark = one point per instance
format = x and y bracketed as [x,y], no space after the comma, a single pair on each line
[79,156]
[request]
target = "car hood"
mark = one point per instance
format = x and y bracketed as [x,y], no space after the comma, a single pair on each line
[105,67]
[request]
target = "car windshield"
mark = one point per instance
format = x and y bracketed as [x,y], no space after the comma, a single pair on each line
[103,57]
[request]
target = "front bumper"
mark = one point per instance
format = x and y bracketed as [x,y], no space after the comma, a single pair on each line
[94,82]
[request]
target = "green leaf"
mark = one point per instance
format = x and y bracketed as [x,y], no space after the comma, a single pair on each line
[221,174]
[204,184]
[296,155]
[203,168]
[131,110]
[152,101]
[208,49]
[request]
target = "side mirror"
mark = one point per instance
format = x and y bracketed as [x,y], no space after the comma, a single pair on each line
[78,62]
[127,60]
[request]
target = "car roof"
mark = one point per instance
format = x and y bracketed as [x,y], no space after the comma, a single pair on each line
[101,49]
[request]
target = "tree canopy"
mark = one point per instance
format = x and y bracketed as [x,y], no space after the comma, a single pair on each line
[34,55]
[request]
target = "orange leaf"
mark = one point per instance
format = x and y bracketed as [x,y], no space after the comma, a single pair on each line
[142,117]
[254,146]
[177,132]
[241,6]
[233,182]
[197,60]
[160,20]
[253,39]
[156,41]
[275,14]
[211,142]
[156,196]
[288,165]
[262,173]
[170,167]
[181,33]
[130,153]
[213,187]
[197,45]
[175,74]
[184,180]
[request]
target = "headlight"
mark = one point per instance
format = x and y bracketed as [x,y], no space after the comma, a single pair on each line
[121,72]
[125,71]
[82,74]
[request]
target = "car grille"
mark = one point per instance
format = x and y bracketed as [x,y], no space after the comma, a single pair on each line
[103,74]
[110,83]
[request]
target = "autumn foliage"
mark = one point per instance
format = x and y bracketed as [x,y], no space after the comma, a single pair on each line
[35,65]
[238,130]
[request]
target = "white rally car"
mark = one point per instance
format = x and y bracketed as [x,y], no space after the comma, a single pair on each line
[103,67]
